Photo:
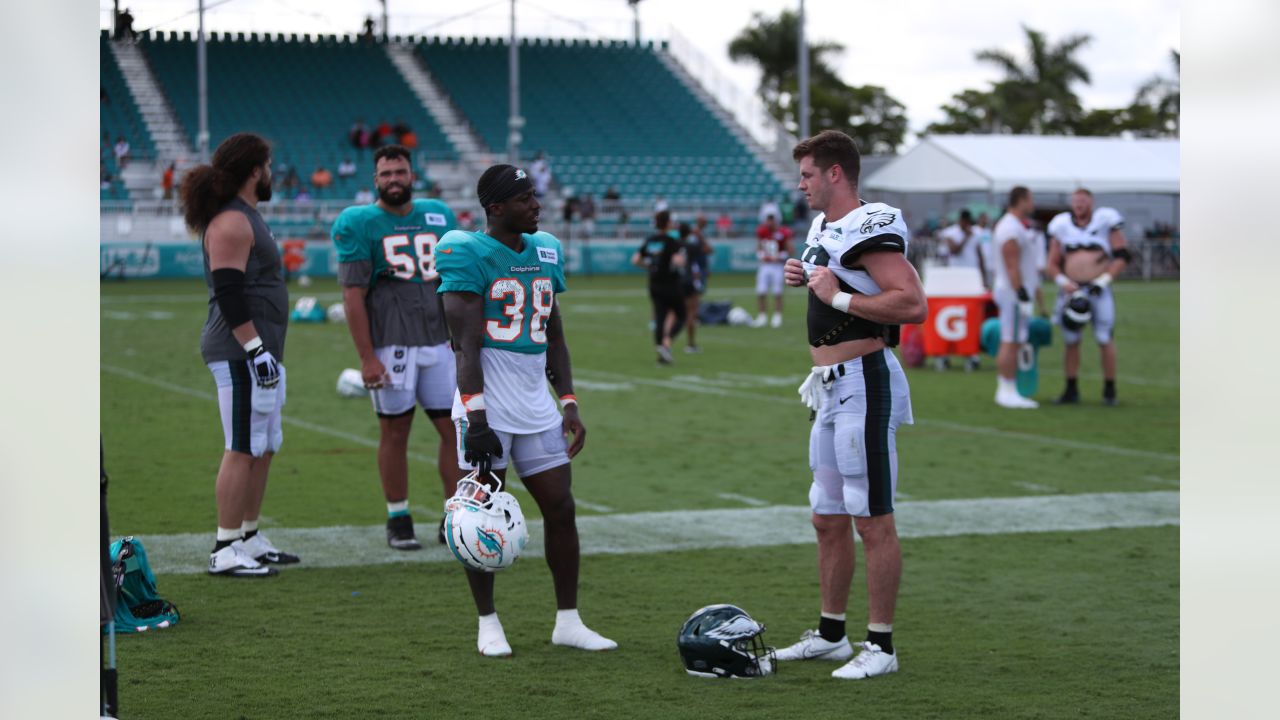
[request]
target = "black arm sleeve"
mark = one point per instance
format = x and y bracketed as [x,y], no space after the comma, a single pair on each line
[228,292]
[879,243]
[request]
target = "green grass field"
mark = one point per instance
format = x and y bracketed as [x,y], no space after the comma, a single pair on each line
[1035,624]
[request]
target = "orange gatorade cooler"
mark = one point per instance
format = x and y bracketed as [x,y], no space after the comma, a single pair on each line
[957,307]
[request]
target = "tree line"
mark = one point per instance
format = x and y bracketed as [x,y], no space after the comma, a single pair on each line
[1036,96]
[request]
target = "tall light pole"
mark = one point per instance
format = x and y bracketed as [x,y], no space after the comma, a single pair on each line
[802,109]
[202,91]
[385,33]
[635,18]
[514,121]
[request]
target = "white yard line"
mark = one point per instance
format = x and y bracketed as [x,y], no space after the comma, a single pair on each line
[700,387]
[653,532]
[745,500]
[314,427]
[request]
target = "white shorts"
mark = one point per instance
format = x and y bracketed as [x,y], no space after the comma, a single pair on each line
[769,279]
[424,375]
[531,454]
[244,428]
[1104,318]
[1013,327]
[853,448]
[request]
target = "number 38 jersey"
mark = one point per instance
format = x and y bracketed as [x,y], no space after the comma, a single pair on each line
[519,291]
[394,256]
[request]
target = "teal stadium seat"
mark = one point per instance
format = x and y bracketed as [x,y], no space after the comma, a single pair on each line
[302,95]
[607,113]
[118,116]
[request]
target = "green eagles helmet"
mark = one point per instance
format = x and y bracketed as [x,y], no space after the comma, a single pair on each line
[721,641]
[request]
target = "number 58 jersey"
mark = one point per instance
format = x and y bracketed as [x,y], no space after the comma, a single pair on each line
[519,291]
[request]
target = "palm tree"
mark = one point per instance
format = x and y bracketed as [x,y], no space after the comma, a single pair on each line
[1037,95]
[1163,94]
[770,44]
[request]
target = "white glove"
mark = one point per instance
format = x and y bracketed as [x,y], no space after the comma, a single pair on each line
[266,369]
[811,389]
[1025,306]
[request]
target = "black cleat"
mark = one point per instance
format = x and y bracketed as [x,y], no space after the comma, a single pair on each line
[1068,398]
[1110,401]
[400,533]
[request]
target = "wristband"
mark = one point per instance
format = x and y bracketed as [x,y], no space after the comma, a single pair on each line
[253,344]
[1061,280]
[1102,280]
[568,399]
[472,403]
[841,301]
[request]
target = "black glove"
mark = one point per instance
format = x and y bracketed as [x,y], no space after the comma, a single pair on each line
[481,444]
[1023,296]
[266,369]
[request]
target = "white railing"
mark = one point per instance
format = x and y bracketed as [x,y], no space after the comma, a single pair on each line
[744,105]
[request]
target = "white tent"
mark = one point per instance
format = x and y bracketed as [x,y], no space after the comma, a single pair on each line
[995,163]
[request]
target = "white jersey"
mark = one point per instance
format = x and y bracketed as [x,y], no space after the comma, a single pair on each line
[1095,234]
[838,244]
[1010,228]
[515,392]
[968,255]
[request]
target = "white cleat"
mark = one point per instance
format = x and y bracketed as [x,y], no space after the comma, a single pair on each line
[870,662]
[776,321]
[760,321]
[1015,401]
[491,640]
[233,561]
[582,637]
[813,646]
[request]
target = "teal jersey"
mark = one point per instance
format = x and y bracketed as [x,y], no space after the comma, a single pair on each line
[399,248]
[519,289]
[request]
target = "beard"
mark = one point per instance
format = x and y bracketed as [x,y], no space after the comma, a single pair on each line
[394,195]
[263,190]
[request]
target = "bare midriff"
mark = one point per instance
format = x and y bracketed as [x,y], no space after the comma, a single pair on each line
[845,351]
[1084,266]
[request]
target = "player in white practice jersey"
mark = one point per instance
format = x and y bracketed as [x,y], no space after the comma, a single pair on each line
[1087,250]
[1016,279]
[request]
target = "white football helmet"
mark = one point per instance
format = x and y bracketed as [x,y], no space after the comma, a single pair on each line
[739,317]
[351,384]
[337,313]
[484,528]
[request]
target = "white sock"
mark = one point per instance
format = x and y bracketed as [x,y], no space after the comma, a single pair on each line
[228,534]
[833,616]
[490,621]
[1005,384]
[565,618]
[248,526]
[398,508]
[880,627]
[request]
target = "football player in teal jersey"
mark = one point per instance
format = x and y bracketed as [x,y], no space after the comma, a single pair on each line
[387,269]
[499,289]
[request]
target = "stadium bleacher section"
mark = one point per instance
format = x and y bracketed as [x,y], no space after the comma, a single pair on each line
[301,94]
[608,113]
[118,116]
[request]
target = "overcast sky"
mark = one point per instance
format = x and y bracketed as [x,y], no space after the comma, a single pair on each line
[920,50]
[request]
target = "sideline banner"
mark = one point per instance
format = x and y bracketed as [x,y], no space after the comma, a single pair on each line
[319,258]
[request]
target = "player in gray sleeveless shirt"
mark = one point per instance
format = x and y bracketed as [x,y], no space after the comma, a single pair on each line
[242,342]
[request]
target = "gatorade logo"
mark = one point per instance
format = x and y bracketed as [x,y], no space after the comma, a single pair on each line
[950,323]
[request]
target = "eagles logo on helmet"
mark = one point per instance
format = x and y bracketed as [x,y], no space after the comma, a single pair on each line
[1078,311]
[722,641]
[484,528]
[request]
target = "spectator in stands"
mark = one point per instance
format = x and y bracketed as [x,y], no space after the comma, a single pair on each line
[346,168]
[364,196]
[587,210]
[124,26]
[724,224]
[102,96]
[800,213]
[466,221]
[769,207]
[367,34]
[612,194]
[540,173]
[122,152]
[303,197]
[166,181]
[400,129]
[359,135]
[409,140]
[104,176]
[383,135]
[291,182]
[660,204]
[321,178]
[435,192]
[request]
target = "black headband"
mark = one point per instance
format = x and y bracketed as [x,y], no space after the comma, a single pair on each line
[507,182]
